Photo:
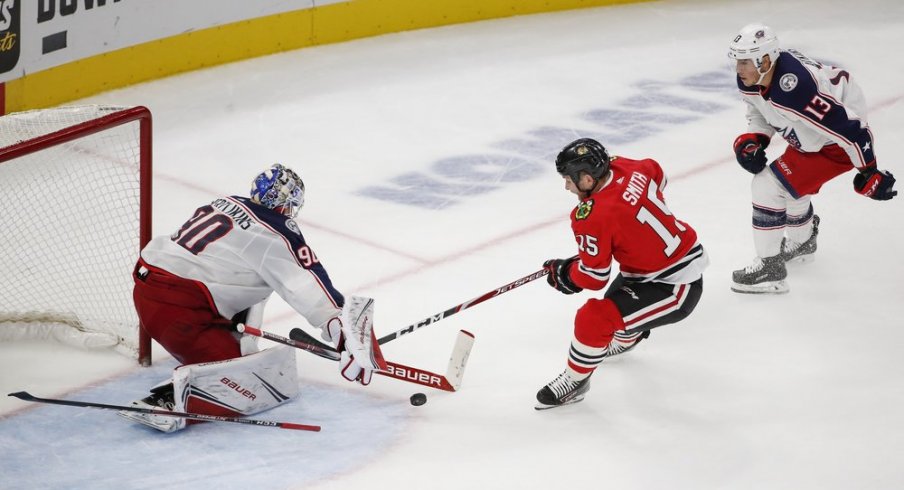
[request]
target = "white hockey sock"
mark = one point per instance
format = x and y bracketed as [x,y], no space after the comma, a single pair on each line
[800,221]
[584,357]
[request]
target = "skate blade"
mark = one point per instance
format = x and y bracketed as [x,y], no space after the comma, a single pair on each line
[541,406]
[802,259]
[774,287]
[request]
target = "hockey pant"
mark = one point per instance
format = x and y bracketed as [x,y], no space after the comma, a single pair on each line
[180,315]
[781,195]
[236,387]
[627,305]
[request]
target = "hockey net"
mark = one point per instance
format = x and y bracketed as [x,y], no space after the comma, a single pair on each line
[75,201]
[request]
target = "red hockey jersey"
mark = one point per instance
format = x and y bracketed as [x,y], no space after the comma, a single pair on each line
[628,220]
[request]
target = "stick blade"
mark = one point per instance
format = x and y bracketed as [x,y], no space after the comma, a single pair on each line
[22,395]
[293,426]
[459,358]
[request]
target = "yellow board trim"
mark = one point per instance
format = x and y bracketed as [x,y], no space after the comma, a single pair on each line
[258,37]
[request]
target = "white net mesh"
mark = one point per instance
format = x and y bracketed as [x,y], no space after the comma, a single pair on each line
[71,219]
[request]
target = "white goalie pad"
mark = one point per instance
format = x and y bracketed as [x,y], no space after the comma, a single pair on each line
[357,329]
[241,386]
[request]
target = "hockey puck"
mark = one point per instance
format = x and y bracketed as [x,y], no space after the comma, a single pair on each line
[418,399]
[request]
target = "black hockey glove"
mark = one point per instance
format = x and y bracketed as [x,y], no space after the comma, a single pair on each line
[875,184]
[558,275]
[750,150]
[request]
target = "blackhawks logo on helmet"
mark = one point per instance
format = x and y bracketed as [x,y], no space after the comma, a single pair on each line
[584,209]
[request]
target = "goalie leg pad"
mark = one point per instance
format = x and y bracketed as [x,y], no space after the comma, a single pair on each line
[161,398]
[241,386]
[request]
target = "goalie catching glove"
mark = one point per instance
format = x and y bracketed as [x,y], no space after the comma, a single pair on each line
[352,334]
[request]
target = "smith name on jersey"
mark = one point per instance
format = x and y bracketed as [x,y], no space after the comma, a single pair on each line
[628,220]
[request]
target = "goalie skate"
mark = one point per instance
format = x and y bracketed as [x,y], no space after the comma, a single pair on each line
[764,276]
[562,391]
[801,253]
[162,400]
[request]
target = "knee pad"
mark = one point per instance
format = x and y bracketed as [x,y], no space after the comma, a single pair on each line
[596,321]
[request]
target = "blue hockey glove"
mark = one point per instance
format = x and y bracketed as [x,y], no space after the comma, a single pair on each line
[875,184]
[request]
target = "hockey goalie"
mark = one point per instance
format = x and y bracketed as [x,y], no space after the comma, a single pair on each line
[218,270]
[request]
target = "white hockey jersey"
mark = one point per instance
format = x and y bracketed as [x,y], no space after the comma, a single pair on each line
[242,252]
[811,105]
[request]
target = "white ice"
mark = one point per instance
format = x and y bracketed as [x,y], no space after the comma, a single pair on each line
[780,392]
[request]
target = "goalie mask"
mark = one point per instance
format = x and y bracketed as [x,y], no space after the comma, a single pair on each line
[280,189]
[583,155]
[752,43]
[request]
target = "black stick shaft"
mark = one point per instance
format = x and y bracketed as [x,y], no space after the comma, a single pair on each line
[320,350]
[463,306]
[24,395]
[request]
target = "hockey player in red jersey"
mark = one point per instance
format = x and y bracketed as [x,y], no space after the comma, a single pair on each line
[219,269]
[621,215]
[820,112]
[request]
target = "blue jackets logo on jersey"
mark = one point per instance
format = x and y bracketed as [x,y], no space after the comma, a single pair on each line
[788,82]
[791,137]
[293,226]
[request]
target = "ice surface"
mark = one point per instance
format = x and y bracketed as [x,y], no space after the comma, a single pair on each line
[427,159]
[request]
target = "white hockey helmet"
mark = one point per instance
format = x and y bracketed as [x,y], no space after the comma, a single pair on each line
[279,188]
[753,42]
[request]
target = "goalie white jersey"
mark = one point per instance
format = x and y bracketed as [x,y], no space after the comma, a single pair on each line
[811,105]
[242,252]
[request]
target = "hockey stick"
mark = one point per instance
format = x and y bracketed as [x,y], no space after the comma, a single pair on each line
[302,340]
[316,347]
[464,306]
[24,395]
[454,371]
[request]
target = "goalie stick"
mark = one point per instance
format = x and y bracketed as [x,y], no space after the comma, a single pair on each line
[463,306]
[451,381]
[24,395]
[315,347]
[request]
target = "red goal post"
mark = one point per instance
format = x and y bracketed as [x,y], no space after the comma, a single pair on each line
[75,202]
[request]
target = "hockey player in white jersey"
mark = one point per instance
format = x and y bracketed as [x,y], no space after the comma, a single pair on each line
[217,270]
[821,113]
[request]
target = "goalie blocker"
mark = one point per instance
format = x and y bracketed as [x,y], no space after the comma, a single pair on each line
[235,387]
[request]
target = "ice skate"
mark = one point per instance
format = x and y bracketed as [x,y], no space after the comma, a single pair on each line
[764,276]
[622,342]
[801,253]
[562,391]
[160,400]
